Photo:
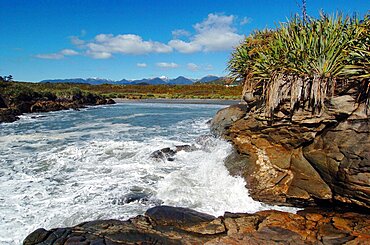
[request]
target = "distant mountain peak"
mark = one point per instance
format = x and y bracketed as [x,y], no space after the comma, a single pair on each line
[180,80]
[164,78]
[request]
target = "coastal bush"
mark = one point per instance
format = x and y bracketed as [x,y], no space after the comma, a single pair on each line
[304,62]
[17,93]
[66,90]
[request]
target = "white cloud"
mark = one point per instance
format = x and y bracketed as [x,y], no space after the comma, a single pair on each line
[125,44]
[180,33]
[57,56]
[216,33]
[99,55]
[245,20]
[77,41]
[54,56]
[192,67]
[167,65]
[68,52]
[185,47]
[142,65]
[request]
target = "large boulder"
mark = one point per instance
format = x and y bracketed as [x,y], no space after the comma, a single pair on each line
[172,225]
[304,159]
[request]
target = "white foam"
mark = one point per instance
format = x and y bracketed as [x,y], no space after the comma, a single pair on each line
[204,184]
[58,178]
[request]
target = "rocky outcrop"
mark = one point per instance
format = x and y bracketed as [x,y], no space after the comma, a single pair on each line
[170,225]
[11,111]
[301,159]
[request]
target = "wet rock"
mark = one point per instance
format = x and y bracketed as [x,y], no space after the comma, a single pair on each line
[163,154]
[132,197]
[110,101]
[38,236]
[168,153]
[304,159]
[177,216]
[173,225]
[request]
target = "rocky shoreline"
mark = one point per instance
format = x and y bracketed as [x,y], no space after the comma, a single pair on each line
[312,161]
[304,160]
[10,111]
[171,225]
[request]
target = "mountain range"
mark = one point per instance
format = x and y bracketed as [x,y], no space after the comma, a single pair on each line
[146,81]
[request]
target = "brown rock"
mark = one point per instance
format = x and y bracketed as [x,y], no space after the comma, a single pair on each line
[304,159]
[159,226]
[226,117]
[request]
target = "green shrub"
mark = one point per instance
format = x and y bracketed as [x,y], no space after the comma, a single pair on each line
[305,62]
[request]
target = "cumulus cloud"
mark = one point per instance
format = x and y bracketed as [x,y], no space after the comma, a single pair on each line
[142,65]
[57,56]
[185,47]
[180,33]
[167,65]
[192,67]
[105,44]
[216,33]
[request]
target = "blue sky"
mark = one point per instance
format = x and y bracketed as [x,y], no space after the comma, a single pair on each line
[134,39]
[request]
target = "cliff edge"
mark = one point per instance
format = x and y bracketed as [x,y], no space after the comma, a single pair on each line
[301,159]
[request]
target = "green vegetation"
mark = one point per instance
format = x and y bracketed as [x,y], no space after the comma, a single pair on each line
[198,91]
[21,97]
[305,62]
[17,98]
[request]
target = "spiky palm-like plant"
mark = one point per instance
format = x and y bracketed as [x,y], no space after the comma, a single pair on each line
[243,58]
[359,64]
[304,61]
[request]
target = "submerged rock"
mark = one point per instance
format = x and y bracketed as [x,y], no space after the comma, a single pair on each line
[304,159]
[173,225]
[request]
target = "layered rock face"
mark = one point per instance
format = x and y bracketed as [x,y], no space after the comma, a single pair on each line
[170,225]
[303,159]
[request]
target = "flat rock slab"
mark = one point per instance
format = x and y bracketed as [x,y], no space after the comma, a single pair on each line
[173,225]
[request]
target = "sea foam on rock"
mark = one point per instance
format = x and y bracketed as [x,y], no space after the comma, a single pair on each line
[304,159]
